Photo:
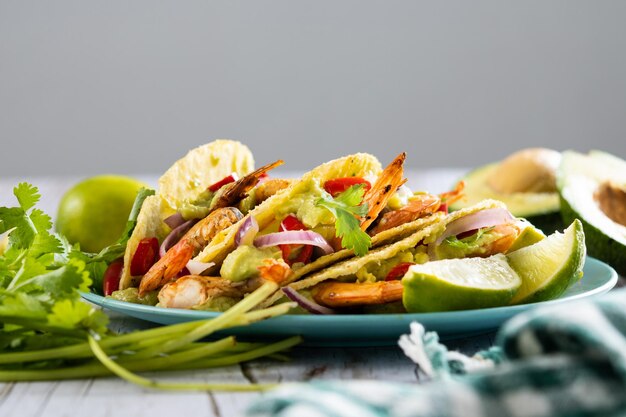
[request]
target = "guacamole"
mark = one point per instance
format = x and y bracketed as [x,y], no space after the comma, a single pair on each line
[131,295]
[379,269]
[243,262]
[477,244]
[303,206]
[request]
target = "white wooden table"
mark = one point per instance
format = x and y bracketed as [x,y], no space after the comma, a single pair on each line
[114,397]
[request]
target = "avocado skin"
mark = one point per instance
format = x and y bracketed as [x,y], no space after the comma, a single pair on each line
[548,222]
[598,244]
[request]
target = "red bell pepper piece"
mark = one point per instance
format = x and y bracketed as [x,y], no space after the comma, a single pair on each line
[112,275]
[226,180]
[145,256]
[291,222]
[398,271]
[339,185]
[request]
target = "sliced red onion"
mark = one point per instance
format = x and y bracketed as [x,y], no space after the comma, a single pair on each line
[309,305]
[174,220]
[197,267]
[247,231]
[474,221]
[175,236]
[294,237]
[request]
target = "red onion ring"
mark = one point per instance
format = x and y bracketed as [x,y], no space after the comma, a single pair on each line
[309,305]
[474,221]
[174,220]
[247,231]
[294,237]
[175,236]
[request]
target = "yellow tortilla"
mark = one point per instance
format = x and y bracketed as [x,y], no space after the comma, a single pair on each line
[149,224]
[357,165]
[205,165]
[186,179]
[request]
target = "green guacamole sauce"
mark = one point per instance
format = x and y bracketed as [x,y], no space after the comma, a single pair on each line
[378,270]
[243,262]
[131,295]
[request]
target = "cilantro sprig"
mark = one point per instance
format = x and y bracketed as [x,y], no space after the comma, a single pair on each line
[345,207]
[48,333]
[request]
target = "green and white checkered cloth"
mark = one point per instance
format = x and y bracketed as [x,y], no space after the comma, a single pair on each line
[563,360]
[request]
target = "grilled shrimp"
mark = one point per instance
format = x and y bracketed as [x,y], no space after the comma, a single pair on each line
[348,294]
[238,190]
[509,232]
[388,183]
[168,267]
[351,294]
[418,206]
[193,290]
[270,187]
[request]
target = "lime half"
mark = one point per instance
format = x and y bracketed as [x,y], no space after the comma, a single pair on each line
[459,284]
[548,267]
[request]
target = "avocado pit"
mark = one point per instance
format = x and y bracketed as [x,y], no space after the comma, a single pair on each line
[527,171]
[611,199]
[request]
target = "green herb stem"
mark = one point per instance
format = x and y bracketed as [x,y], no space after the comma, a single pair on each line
[172,386]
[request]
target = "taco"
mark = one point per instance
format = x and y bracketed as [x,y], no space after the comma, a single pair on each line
[482,230]
[203,181]
[334,212]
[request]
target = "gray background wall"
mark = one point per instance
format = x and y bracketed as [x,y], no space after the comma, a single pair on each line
[125,86]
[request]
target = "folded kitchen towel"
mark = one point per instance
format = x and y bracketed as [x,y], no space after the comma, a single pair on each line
[566,359]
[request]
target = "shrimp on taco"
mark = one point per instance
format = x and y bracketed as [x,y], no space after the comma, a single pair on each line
[206,191]
[335,212]
[373,283]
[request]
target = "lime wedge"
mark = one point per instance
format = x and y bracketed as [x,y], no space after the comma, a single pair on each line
[529,235]
[548,267]
[459,284]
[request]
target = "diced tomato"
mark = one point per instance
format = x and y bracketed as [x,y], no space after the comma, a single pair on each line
[226,180]
[291,222]
[339,185]
[398,271]
[111,279]
[443,208]
[145,256]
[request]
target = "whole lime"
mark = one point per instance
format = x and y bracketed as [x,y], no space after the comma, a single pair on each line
[94,212]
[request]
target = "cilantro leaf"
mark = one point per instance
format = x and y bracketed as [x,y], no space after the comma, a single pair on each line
[27,195]
[39,281]
[345,207]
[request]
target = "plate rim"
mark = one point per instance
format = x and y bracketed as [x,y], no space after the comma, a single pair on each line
[304,318]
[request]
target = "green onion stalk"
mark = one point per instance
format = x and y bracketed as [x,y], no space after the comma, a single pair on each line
[168,348]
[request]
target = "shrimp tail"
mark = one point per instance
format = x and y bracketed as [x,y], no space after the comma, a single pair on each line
[168,267]
[387,184]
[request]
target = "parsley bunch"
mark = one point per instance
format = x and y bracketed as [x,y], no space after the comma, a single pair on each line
[345,207]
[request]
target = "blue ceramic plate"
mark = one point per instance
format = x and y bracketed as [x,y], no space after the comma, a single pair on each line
[373,330]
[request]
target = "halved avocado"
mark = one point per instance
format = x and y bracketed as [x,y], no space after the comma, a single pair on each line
[539,200]
[593,189]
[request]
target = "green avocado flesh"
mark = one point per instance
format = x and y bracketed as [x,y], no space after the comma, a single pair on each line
[581,180]
[541,209]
